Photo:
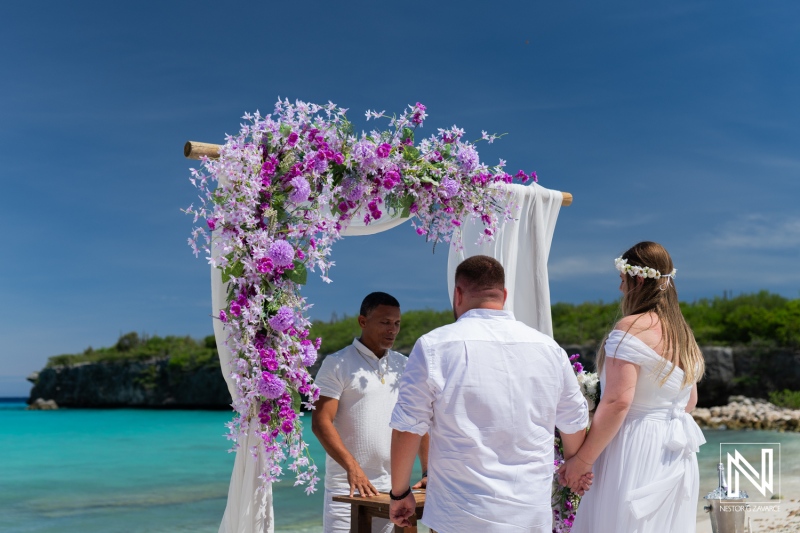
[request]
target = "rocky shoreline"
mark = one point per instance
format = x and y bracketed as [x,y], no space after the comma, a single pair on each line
[747,413]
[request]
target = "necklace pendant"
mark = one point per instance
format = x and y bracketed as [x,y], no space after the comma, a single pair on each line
[383,381]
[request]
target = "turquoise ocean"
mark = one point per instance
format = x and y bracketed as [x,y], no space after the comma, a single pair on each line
[125,470]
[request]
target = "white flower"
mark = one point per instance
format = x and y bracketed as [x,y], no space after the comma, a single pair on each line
[640,271]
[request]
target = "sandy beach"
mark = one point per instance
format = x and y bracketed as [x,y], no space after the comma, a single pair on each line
[784,520]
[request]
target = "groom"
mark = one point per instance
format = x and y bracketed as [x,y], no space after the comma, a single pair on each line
[490,390]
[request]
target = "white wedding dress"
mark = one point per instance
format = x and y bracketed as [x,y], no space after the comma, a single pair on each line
[646,480]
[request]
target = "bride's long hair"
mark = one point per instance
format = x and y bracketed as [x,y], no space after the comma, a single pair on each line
[659,296]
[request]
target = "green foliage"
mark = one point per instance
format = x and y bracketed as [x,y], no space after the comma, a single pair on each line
[762,318]
[298,274]
[415,324]
[147,378]
[785,398]
[585,323]
[183,352]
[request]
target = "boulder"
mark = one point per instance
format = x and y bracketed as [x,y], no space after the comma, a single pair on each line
[40,404]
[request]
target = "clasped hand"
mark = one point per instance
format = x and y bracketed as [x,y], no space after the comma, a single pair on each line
[401,511]
[576,474]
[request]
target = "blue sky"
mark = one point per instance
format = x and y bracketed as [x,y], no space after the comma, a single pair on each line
[677,122]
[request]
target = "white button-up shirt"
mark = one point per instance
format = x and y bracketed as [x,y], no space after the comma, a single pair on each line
[353,376]
[491,391]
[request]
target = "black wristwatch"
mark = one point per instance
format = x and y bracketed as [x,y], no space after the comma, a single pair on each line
[401,497]
[425,474]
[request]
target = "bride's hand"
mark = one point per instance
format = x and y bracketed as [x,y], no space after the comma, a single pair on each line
[572,473]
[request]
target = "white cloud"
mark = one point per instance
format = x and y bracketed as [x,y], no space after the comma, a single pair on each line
[571,267]
[624,221]
[760,232]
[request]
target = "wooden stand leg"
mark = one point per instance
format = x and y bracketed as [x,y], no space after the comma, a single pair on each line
[360,519]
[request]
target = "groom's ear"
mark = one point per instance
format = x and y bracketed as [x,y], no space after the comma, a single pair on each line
[505,295]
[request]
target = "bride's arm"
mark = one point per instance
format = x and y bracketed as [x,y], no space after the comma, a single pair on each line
[620,388]
[621,377]
[692,400]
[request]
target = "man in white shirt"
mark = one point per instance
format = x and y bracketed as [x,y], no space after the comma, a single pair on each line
[491,391]
[358,390]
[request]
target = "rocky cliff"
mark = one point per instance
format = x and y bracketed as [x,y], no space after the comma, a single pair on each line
[752,371]
[150,384]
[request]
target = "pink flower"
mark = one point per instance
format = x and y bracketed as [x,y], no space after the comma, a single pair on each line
[265,265]
[383,150]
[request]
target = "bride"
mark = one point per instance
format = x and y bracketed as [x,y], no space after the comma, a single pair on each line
[642,443]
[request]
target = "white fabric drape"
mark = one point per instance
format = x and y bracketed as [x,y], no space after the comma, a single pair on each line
[249,510]
[522,246]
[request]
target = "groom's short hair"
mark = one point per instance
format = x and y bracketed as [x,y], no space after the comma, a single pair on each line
[480,273]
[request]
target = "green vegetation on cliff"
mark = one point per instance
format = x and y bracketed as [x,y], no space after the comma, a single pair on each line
[184,352]
[761,318]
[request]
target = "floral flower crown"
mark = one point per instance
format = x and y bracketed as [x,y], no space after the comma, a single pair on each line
[642,271]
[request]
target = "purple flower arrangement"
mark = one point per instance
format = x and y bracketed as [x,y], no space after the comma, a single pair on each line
[281,193]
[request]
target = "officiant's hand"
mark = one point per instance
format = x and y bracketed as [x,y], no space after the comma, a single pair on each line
[576,474]
[421,484]
[360,482]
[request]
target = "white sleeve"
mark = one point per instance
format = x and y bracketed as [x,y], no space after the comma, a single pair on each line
[572,413]
[413,411]
[328,378]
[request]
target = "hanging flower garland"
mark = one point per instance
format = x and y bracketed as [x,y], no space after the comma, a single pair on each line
[281,193]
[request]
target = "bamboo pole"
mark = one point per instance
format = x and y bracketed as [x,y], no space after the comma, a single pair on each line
[196,150]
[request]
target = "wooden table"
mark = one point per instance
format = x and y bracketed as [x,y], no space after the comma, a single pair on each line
[363,510]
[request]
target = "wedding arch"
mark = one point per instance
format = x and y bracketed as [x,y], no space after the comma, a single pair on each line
[277,195]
